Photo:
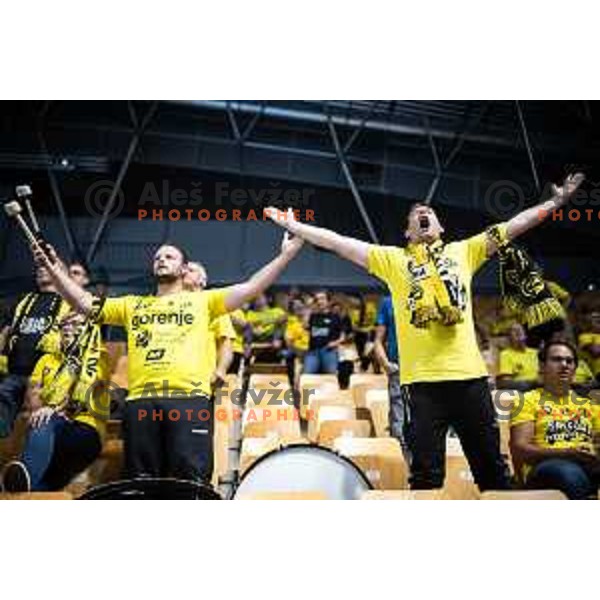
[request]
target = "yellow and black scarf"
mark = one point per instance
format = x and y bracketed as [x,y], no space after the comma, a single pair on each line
[73,386]
[524,291]
[429,295]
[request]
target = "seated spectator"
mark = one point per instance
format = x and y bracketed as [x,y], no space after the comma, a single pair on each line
[267,324]
[518,368]
[553,433]
[325,329]
[589,342]
[67,418]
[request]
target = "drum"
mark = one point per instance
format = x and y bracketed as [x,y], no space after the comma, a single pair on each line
[151,489]
[304,468]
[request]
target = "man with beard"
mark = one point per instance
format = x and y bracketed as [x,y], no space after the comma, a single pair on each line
[168,419]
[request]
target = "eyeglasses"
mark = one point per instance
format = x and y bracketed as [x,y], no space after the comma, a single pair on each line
[566,359]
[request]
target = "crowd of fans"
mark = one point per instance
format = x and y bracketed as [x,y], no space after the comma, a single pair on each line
[307,331]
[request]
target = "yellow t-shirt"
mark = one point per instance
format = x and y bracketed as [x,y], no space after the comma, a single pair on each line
[265,322]
[296,334]
[168,341]
[519,365]
[99,404]
[439,352]
[221,327]
[238,342]
[561,423]
[587,339]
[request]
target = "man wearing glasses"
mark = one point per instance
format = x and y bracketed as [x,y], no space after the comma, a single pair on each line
[554,432]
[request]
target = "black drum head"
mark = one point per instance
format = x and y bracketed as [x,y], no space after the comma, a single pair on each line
[152,489]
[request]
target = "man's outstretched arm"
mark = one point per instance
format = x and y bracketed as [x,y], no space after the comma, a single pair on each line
[237,295]
[531,217]
[349,248]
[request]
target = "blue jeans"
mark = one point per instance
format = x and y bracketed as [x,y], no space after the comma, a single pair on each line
[397,412]
[564,475]
[321,361]
[57,451]
[12,394]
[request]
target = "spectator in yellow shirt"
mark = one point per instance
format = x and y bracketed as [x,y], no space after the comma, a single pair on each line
[67,420]
[169,366]
[267,324]
[518,368]
[441,367]
[554,432]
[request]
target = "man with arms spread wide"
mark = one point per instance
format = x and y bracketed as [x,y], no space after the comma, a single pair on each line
[441,367]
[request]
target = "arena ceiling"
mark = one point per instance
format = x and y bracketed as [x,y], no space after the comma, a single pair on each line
[361,153]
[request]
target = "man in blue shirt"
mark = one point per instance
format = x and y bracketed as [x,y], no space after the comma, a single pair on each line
[386,353]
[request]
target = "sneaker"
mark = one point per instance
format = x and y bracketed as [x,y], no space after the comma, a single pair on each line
[15,478]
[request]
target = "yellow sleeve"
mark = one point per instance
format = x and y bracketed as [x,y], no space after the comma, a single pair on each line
[382,261]
[216,303]
[477,248]
[223,328]
[114,311]
[585,339]
[506,364]
[525,413]
[37,377]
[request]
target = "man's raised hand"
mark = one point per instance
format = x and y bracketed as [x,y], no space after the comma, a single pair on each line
[285,219]
[291,245]
[568,188]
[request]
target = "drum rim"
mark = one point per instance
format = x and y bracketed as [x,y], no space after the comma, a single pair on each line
[151,480]
[299,445]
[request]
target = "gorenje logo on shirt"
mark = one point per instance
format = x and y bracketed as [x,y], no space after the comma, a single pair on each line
[163,318]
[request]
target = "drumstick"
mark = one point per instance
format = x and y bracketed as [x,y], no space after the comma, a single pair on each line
[13,209]
[24,193]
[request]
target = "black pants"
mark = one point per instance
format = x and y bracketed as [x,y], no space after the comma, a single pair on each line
[360,339]
[169,438]
[12,394]
[236,362]
[466,406]
[345,370]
